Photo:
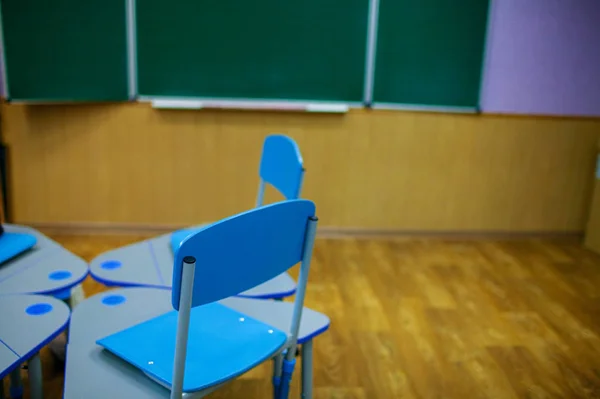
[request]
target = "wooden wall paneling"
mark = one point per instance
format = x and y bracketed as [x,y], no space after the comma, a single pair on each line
[383,170]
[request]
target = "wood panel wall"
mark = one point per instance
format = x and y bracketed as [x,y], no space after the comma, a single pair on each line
[383,170]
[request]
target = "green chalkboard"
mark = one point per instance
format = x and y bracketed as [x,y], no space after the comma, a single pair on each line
[65,50]
[267,49]
[430,52]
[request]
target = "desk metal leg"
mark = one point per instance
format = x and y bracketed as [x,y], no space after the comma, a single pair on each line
[66,332]
[16,385]
[35,377]
[307,369]
[58,346]
[76,296]
[69,302]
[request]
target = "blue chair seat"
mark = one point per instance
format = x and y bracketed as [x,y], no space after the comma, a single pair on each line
[279,315]
[14,244]
[223,344]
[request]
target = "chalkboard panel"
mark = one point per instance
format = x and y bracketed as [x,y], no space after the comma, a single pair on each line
[268,49]
[430,52]
[65,50]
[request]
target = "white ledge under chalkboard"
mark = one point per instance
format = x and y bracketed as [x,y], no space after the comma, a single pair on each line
[261,105]
[425,108]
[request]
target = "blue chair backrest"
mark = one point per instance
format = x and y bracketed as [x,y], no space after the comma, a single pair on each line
[245,250]
[281,166]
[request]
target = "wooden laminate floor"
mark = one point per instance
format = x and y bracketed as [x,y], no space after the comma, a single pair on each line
[433,318]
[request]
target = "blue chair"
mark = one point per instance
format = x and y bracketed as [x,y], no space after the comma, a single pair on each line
[203,343]
[149,263]
[281,166]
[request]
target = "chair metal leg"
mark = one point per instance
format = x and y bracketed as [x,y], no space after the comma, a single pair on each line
[307,369]
[35,377]
[277,366]
[16,385]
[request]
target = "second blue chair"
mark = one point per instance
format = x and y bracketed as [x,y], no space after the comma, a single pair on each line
[149,263]
[281,166]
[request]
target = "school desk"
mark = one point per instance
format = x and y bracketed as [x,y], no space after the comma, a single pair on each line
[47,268]
[27,323]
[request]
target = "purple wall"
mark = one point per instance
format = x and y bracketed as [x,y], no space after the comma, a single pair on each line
[543,57]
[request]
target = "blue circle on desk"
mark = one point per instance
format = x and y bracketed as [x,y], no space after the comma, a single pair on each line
[113,300]
[38,309]
[60,275]
[111,264]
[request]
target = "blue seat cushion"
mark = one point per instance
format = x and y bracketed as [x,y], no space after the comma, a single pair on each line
[13,244]
[223,344]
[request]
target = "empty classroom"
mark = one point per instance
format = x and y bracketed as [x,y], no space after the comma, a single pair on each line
[369,199]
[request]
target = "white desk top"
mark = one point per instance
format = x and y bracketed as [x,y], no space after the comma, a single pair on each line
[27,323]
[47,268]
